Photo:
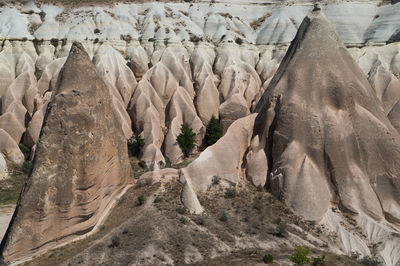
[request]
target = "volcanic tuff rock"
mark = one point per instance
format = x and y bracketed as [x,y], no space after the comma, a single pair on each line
[223,57]
[321,139]
[81,164]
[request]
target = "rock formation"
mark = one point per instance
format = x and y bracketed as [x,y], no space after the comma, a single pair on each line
[81,164]
[322,138]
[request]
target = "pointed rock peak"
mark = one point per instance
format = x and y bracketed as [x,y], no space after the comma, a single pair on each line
[81,165]
[321,99]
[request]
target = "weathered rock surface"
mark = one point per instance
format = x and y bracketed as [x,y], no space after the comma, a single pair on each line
[81,164]
[322,138]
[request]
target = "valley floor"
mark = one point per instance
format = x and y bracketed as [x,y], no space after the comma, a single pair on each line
[150,226]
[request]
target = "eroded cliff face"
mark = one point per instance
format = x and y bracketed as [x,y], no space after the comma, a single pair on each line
[81,164]
[169,63]
[321,141]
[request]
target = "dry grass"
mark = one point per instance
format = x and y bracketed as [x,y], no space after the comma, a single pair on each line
[11,188]
[257,23]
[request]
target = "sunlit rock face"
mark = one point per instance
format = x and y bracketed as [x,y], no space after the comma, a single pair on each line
[323,138]
[81,164]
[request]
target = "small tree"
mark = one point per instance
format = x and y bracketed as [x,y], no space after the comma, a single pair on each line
[135,145]
[213,132]
[187,139]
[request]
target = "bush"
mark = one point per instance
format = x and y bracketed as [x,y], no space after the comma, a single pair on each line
[115,241]
[223,217]
[27,167]
[369,261]
[300,256]
[268,258]
[239,41]
[258,204]
[230,193]
[281,230]
[187,139]
[213,132]
[135,145]
[141,200]
[181,210]
[216,180]
[25,150]
[318,260]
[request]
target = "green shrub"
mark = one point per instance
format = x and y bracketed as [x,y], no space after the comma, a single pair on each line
[258,204]
[135,145]
[216,180]
[187,139]
[317,261]
[181,210]
[230,193]
[213,132]
[281,229]
[239,41]
[268,258]
[369,261]
[223,217]
[25,150]
[115,241]
[27,167]
[141,200]
[300,256]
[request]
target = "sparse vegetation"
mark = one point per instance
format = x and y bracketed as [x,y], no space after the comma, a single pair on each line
[141,200]
[300,256]
[223,217]
[181,210]
[281,229]
[135,145]
[258,204]
[257,23]
[183,220]
[213,132]
[187,139]
[268,259]
[317,261]
[230,193]
[216,180]
[27,167]
[370,261]
[25,150]
[115,241]
[239,41]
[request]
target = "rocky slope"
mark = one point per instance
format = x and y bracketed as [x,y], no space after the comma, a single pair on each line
[322,140]
[168,63]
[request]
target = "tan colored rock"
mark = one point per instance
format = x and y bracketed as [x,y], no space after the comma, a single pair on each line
[223,159]
[9,148]
[329,140]
[81,165]
[120,80]
[207,95]
[386,85]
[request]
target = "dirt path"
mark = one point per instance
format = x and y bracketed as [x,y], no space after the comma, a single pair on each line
[6,212]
